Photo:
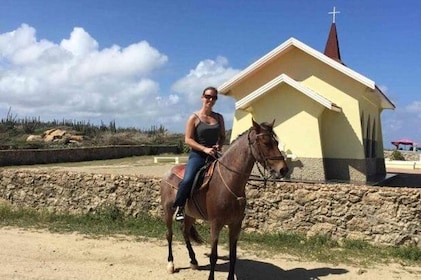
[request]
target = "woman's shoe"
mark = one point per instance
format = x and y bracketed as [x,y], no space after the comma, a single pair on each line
[179,214]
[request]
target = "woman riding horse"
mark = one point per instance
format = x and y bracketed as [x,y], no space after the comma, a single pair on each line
[223,201]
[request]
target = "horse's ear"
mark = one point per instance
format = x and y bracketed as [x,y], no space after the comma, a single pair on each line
[256,125]
[272,124]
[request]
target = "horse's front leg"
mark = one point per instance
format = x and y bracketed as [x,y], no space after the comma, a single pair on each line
[168,221]
[234,232]
[215,230]
[186,228]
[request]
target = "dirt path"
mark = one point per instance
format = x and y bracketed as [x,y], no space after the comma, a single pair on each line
[125,166]
[28,254]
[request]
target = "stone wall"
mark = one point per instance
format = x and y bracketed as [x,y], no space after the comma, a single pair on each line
[377,214]
[382,215]
[42,156]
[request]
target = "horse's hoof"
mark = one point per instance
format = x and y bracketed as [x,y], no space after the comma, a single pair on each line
[170,267]
[194,266]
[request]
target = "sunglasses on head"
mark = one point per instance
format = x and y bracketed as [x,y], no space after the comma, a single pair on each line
[209,96]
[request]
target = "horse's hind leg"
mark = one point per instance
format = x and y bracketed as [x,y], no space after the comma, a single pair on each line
[187,225]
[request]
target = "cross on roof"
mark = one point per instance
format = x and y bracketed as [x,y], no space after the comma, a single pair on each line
[334,12]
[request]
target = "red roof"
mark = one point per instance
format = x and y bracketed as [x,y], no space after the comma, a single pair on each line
[332,45]
[404,141]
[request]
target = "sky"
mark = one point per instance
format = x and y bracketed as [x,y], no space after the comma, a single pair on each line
[144,63]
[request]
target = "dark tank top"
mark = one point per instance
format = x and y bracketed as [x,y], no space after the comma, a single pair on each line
[207,134]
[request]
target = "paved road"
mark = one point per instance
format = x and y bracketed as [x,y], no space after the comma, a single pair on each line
[404,178]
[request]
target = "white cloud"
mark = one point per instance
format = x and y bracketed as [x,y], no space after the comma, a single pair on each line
[207,73]
[403,122]
[414,107]
[80,43]
[173,99]
[75,79]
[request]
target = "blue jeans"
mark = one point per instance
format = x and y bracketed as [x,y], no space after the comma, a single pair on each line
[195,162]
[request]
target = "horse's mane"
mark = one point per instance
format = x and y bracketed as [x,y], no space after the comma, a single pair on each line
[239,136]
[234,143]
[264,125]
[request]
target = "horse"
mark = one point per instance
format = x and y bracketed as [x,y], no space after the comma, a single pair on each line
[223,201]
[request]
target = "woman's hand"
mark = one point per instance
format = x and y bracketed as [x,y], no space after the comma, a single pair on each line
[218,147]
[211,151]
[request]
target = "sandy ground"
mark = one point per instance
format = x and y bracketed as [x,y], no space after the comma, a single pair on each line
[29,254]
[126,166]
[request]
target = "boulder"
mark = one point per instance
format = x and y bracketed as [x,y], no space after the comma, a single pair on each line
[56,135]
[34,138]
[76,138]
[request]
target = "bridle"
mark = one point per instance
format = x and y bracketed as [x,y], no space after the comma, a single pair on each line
[264,159]
[257,154]
[259,151]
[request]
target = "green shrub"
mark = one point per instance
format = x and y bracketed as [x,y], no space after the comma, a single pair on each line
[29,125]
[396,155]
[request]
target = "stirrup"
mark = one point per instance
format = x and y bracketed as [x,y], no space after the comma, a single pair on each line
[179,214]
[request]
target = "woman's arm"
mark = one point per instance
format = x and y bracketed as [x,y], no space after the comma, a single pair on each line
[189,134]
[221,139]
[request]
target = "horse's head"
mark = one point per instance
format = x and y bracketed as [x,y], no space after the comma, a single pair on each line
[264,145]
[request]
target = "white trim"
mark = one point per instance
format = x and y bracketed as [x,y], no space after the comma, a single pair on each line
[246,102]
[401,164]
[225,88]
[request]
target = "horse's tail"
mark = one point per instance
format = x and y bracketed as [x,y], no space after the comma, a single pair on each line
[194,235]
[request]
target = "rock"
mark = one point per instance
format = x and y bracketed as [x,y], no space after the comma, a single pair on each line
[34,138]
[56,135]
[53,134]
[76,138]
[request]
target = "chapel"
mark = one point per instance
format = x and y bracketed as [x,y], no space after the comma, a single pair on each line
[327,116]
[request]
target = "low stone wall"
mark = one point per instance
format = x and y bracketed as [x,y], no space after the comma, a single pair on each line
[42,156]
[408,155]
[376,214]
[381,215]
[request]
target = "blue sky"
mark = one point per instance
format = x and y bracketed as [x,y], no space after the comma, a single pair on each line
[145,63]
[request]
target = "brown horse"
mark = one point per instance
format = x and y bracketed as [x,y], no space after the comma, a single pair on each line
[223,201]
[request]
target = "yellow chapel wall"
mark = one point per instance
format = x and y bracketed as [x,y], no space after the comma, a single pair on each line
[277,66]
[296,120]
[341,131]
[282,64]
[241,122]
[371,123]
[380,146]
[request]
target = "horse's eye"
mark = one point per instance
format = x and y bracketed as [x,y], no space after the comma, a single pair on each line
[268,143]
[275,140]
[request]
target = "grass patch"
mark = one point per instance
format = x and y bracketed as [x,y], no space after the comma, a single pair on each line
[110,221]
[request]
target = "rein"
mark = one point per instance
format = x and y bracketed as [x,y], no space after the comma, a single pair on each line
[265,158]
[239,198]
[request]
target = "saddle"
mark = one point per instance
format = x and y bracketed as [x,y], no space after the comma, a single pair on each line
[202,177]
